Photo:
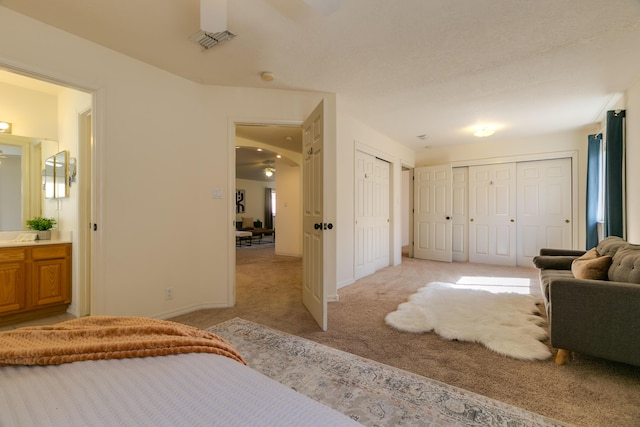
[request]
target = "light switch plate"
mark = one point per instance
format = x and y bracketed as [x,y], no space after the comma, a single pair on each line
[217,193]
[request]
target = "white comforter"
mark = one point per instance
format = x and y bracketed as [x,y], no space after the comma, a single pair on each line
[183,390]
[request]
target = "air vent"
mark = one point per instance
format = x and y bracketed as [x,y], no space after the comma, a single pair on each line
[209,40]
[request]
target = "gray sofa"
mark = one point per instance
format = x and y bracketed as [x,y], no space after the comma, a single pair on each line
[596,317]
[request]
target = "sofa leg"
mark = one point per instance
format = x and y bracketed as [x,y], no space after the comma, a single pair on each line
[562,356]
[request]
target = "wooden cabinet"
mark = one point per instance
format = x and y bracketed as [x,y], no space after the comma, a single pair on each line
[35,281]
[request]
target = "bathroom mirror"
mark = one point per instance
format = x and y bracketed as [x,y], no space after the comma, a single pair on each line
[48,178]
[22,194]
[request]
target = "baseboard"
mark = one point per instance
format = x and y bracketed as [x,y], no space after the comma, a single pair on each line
[346,283]
[188,309]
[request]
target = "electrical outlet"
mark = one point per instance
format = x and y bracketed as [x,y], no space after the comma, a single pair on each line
[168,293]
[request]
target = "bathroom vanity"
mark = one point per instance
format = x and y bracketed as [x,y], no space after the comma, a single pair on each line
[35,279]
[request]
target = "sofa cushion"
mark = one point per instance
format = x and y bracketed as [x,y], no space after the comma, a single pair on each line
[247,222]
[626,264]
[591,266]
[610,245]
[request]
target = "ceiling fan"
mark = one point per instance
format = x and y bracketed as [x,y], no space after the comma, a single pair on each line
[269,170]
[213,20]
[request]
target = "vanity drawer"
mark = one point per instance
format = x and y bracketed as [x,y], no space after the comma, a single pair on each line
[49,252]
[12,254]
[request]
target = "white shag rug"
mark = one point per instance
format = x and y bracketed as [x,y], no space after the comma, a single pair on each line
[506,323]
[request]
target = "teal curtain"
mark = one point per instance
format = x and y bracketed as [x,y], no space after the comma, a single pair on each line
[614,179]
[593,188]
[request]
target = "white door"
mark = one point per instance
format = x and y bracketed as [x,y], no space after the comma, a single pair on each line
[313,291]
[544,207]
[432,213]
[372,214]
[492,214]
[460,214]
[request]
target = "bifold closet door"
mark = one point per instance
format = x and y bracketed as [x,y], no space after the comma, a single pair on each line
[492,214]
[372,209]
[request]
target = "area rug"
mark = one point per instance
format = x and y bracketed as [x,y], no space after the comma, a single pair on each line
[507,323]
[369,392]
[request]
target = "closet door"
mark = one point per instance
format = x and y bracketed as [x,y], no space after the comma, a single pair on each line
[460,214]
[544,207]
[372,214]
[492,214]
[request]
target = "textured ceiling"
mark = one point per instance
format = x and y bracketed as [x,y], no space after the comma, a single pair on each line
[406,68]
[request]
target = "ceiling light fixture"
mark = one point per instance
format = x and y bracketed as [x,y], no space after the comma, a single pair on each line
[268,172]
[267,76]
[484,131]
[5,127]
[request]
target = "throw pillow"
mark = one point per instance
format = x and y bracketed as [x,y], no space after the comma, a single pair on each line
[591,266]
[247,222]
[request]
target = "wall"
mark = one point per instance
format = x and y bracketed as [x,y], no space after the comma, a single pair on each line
[254,198]
[406,208]
[353,133]
[158,225]
[575,141]
[31,113]
[288,209]
[632,98]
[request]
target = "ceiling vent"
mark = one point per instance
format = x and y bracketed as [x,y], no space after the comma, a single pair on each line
[209,40]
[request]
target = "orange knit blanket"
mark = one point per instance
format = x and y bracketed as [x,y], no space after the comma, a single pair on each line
[106,337]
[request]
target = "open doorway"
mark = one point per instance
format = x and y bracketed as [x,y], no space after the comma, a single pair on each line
[56,118]
[268,211]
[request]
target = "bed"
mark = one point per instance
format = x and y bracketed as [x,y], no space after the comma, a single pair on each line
[83,372]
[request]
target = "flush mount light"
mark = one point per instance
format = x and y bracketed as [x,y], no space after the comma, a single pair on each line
[484,131]
[5,127]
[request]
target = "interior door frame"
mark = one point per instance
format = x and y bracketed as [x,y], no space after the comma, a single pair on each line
[231,153]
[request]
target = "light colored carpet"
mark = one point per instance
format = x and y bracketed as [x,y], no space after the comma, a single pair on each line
[371,393]
[586,392]
[505,322]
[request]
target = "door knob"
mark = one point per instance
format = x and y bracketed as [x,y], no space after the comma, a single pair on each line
[471,220]
[513,220]
[567,221]
[317,226]
[329,226]
[448,218]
